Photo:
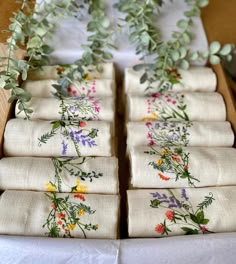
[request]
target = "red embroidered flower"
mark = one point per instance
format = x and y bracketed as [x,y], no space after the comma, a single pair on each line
[59,222]
[149,135]
[53,206]
[69,90]
[177,159]
[186,167]
[82,124]
[170,215]
[61,215]
[159,228]
[74,92]
[163,177]
[156,95]
[80,196]
[173,102]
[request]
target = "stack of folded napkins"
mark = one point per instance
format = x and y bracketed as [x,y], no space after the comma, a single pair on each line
[59,169]
[179,139]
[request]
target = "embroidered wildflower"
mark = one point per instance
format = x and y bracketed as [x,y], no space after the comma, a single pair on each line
[159,228]
[170,215]
[50,187]
[71,226]
[159,162]
[163,177]
[80,196]
[81,212]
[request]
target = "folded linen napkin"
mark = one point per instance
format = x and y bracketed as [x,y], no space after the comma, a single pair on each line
[59,215]
[96,87]
[177,107]
[195,79]
[58,71]
[169,212]
[198,134]
[83,108]
[155,167]
[84,174]
[58,138]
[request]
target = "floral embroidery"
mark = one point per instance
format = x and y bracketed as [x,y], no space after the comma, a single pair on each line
[83,108]
[72,166]
[180,213]
[85,88]
[166,107]
[71,130]
[64,219]
[168,133]
[172,161]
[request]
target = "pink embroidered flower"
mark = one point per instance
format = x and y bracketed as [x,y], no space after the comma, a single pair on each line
[80,196]
[95,103]
[74,92]
[148,124]
[83,89]
[170,215]
[156,95]
[97,109]
[149,135]
[53,206]
[159,228]
[151,143]
[204,229]
[173,102]
[168,100]
[186,167]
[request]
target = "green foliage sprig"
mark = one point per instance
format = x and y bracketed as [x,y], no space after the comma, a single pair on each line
[30,28]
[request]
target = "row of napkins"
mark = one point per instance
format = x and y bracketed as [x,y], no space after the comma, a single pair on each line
[179,139]
[65,151]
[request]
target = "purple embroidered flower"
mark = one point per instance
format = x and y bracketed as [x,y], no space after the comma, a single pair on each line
[184,195]
[64,147]
[77,136]
[172,202]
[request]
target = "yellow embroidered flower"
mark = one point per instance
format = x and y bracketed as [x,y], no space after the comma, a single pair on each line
[96,226]
[87,77]
[50,187]
[153,117]
[164,152]
[80,188]
[71,226]
[159,162]
[81,212]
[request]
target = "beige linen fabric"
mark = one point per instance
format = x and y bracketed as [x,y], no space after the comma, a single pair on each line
[208,134]
[25,213]
[143,219]
[51,72]
[200,107]
[28,173]
[44,88]
[207,165]
[21,139]
[195,79]
[91,108]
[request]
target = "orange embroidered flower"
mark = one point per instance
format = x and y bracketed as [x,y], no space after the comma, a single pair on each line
[71,226]
[80,196]
[159,228]
[60,69]
[170,215]
[81,212]
[164,152]
[159,162]
[163,177]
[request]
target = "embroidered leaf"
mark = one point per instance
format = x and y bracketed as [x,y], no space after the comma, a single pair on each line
[207,201]
[189,231]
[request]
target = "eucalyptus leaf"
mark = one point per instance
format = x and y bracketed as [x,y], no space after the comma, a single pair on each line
[214,47]
[214,59]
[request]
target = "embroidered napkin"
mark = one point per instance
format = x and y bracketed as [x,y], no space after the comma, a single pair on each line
[195,79]
[169,212]
[58,138]
[177,107]
[84,174]
[155,167]
[59,215]
[57,71]
[96,87]
[197,134]
[86,108]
